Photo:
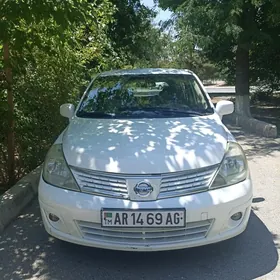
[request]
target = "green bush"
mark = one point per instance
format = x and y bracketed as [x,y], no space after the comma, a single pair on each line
[48,81]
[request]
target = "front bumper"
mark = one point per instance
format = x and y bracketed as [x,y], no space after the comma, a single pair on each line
[210,211]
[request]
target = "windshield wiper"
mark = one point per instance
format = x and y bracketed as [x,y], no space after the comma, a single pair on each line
[84,114]
[160,110]
[179,111]
[135,111]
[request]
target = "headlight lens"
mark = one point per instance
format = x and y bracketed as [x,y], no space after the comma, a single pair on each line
[234,167]
[56,171]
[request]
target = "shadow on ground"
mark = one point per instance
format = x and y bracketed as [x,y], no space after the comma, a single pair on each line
[254,145]
[27,252]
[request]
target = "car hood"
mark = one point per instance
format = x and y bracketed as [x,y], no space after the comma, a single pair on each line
[145,146]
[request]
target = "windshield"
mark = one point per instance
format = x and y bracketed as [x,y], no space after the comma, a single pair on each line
[144,96]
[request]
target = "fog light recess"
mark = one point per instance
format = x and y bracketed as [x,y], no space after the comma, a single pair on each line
[53,217]
[237,216]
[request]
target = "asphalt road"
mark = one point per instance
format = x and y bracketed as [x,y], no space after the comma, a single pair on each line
[220,90]
[227,90]
[27,252]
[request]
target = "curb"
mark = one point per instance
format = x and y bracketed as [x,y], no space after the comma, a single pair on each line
[260,128]
[13,201]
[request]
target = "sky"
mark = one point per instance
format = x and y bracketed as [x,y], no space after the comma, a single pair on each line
[163,15]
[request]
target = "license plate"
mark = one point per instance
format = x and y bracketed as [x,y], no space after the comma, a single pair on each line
[166,218]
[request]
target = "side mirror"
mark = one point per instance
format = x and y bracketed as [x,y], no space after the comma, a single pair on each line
[224,107]
[67,110]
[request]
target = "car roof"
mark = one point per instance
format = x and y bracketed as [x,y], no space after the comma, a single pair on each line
[146,71]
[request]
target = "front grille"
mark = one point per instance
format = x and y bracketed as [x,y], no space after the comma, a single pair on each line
[169,184]
[183,183]
[145,236]
[101,183]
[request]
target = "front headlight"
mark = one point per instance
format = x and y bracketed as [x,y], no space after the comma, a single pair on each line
[233,169]
[56,171]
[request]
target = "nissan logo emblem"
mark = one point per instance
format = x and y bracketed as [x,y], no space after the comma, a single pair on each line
[143,189]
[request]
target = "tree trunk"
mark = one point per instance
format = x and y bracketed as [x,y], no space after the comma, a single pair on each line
[11,135]
[242,87]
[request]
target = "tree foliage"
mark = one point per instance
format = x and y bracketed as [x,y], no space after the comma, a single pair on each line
[231,34]
[51,49]
[28,27]
[54,49]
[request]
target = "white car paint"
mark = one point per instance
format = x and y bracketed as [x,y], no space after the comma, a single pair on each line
[157,145]
[144,147]
[218,204]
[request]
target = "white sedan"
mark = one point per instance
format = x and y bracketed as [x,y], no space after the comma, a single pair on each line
[145,172]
